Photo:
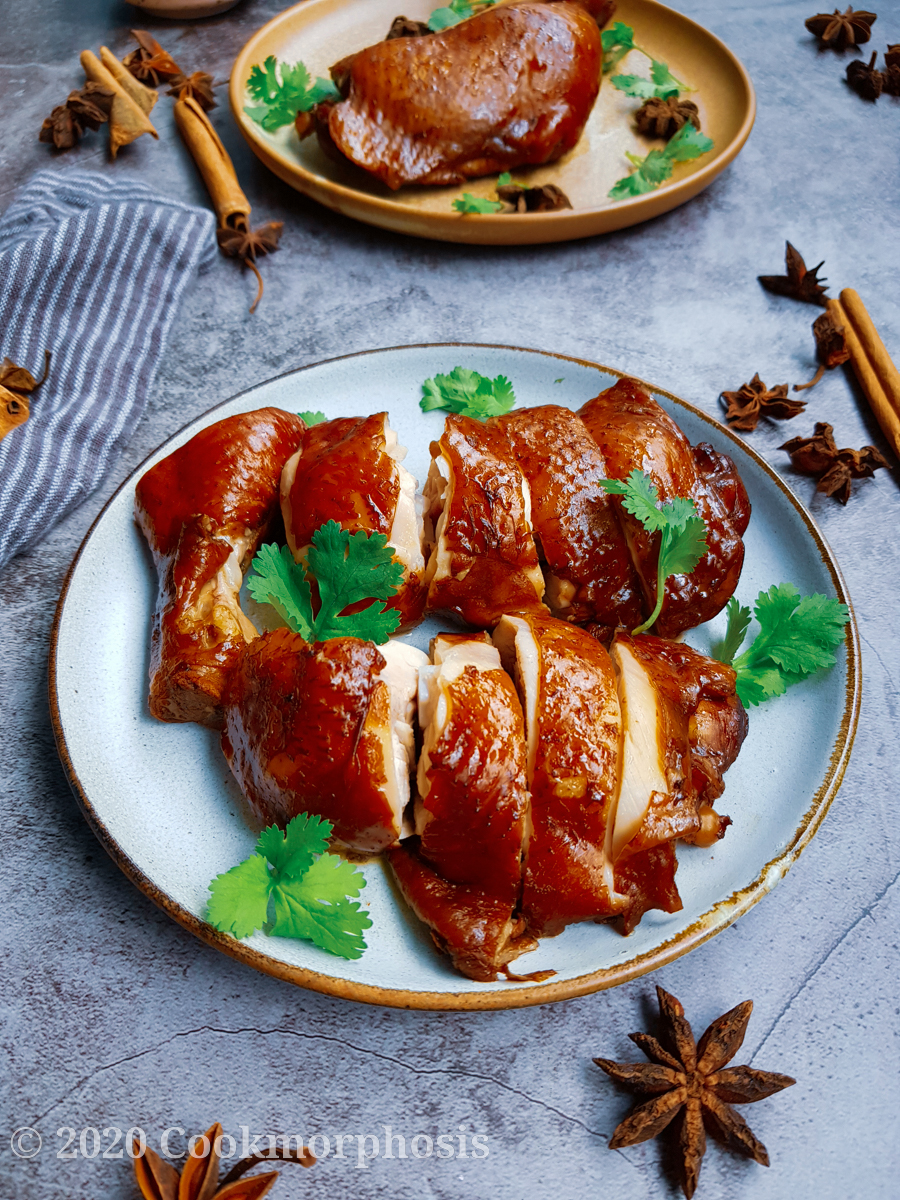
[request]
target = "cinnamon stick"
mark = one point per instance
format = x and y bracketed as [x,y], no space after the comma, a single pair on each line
[127,119]
[231,205]
[878,376]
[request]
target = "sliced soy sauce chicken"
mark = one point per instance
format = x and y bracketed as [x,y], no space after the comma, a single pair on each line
[483,559]
[587,567]
[204,511]
[350,470]
[325,729]
[568,690]
[465,865]
[683,726]
[512,86]
[634,433]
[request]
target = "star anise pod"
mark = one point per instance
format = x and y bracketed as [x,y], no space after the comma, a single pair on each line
[891,79]
[198,85]
[800,283]
[16,385]
[831,348]
[892,55]
[835,469]
[663,118]
[548,198]
[754,400]
[684,1076]
[406,27]
[245,243]
[150,63]
[199,1180]
[865,79]
[842,29]
[86,108]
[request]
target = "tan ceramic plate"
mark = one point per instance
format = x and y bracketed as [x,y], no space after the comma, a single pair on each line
[163,803]
[319,32]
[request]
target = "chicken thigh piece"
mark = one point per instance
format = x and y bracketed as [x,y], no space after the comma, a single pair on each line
[634,433]
[350,470]
[587,567]
[568,689]
[204,511]
[512,86]
[325,729]
[483,560]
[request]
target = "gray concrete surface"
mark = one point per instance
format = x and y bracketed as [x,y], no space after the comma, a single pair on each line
[113,1016]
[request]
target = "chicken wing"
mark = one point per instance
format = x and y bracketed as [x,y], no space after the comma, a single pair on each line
[204,510]
[325,729]
[634,433]
[350,471]
[478,521]
[588,570]
[511,86]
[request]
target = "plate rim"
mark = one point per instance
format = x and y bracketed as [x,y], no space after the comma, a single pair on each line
[533,228]
[717,918]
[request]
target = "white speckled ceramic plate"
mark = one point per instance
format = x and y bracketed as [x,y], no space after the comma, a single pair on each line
[320,32]
[162,801]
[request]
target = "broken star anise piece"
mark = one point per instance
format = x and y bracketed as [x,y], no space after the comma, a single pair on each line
[16,385]
[754,400]
[150,63]
[663,118]
[835,469]
[684,1076]
[198,85]
[548,198]
[800,283]
[402,27]
[246,244]
[839,30]
[86,108]
[831,348]
[891,79]
[892,55]
[199,1180]
[865,79]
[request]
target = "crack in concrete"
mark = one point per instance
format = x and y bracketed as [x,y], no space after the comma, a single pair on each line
[882,663]
[810,975]
[319,1037]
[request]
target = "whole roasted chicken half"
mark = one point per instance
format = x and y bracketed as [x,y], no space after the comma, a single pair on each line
[512,86]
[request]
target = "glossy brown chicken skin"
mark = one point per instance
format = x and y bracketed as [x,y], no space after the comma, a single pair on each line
[349,471]
[307,730]
[701,729]
[477,930]
[569,696]
[647,879]
[204,511]
[588,569]
[484,562]
[511,86]
[634,433]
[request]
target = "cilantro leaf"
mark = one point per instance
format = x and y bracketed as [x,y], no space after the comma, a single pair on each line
[666,83]
[315,907]
[348,568]
[468,203]
[797,636]
[617,41]
[309,890]
[239,898]
[310,418]
[682,532]
[454,12]
[282,583]
[282,91]
[738,624]
[505,180]
[661,85]
[688,143]
[468,393]
[634,85]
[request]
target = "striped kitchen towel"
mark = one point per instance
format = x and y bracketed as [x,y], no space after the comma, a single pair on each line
[92,268]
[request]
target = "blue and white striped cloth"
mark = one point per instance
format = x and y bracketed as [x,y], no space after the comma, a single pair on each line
[92,268]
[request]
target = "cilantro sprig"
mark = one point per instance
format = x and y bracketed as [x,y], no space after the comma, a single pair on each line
[347,568]
[617,41]
[683,532]
[454,12]
[468,393]
[654,169]
[662,84]
[310,418]
[797,635]
[282,90]
[295,888]
[467,203]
